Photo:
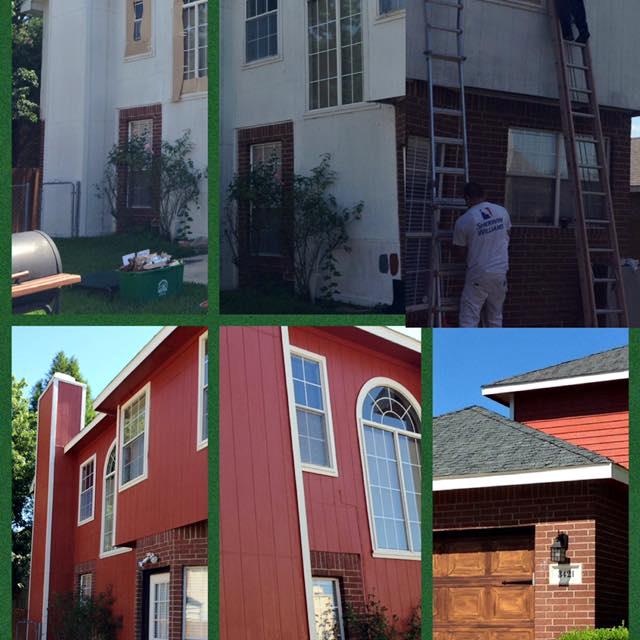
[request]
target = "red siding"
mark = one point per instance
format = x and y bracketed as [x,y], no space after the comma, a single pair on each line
[336,507]
[261,579]
[594,416]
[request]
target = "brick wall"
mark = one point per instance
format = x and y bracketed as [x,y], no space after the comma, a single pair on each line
[543,281]
[590,512]
[251,265]
[176,549]
[81,569]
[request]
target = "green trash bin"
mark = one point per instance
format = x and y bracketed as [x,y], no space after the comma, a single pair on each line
[155,284]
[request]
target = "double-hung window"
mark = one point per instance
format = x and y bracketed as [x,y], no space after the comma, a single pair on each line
[313,412]
[327,609]
[196,603]
[87,494]
[194,17]
[85,587]
[134,438]
[203,390]
[336,74]
[391,430]
[138,26]
[109,502]
[261,30]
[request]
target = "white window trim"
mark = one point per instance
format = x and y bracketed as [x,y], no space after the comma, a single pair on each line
[146,390]
[202,442]
[187,5]
[396,386]
[87,462]
[184,593]
[269,59]
[116,551]
[338,603]
[332,469]
[354,106]
[81,590]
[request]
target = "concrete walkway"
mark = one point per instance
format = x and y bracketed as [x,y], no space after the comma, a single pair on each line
[196,269]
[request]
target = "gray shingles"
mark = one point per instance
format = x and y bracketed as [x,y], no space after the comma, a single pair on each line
[605,362]
[478,441]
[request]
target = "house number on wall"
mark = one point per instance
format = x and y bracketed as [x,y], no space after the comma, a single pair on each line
[565,575]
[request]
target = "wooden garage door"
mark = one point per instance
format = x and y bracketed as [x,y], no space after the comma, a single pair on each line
[483,585]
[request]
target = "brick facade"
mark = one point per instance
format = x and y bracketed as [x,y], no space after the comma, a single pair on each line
[138,216]
[543,280]
[263,266]
[593,514]
[176,549]
[81,569]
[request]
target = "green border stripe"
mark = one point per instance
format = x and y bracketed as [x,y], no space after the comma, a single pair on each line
[427,480]
[634,483]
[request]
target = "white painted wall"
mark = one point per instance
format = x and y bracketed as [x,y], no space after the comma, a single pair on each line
[509,48]
[361,139]
[86,81]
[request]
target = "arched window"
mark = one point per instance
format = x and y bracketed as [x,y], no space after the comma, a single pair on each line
[109,502]
[390,438]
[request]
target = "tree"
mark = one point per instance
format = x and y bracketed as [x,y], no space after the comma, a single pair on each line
[61,363]
[24,433]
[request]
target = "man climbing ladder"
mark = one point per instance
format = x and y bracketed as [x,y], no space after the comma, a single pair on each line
[569,12]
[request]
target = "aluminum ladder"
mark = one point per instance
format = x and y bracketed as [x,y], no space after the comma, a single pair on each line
[599,265]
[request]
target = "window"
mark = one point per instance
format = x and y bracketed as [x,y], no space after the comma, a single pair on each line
[391,429]
[194,18]
[327,609]
[315,431]
[196,604]
[138,27]
[266,222]
[109,502]
[389,6]
[85,590]
[134,428]
[139,184]
[86,501]
[203,391]
[335,53]
[538,190]
[261,29]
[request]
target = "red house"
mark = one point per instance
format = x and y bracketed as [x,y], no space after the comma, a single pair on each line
[121,503]
[319,480]
[531,511]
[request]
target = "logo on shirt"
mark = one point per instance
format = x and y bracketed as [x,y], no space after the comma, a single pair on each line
[486,214]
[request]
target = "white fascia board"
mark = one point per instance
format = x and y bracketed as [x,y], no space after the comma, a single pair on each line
[387,333]
[494,390]
[606,471]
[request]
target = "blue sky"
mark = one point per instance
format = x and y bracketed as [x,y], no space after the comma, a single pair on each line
[465,359]
[635,127]
[101,351]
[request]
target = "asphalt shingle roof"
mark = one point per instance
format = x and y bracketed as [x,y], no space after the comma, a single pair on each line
[476,441]
[605,362]
[635,162]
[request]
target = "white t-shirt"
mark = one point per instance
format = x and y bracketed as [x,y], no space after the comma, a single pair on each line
[484,230]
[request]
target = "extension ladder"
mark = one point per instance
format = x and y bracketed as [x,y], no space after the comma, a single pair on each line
[448,159]
[598,255]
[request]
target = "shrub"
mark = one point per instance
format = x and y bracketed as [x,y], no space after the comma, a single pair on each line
[73,618]
[618,633]
[372,622]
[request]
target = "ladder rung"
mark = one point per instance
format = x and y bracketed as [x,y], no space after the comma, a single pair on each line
[457,141]
[451,202]
[590,166]
[582,114]
[573,43]
[444,111]
[608,312]
[419,235]
[445,3]
[597,221]
[452,171]
[578,90]
[594,193]
[445,57]
[437,27]
[572,65]
[600,250]
[605,280]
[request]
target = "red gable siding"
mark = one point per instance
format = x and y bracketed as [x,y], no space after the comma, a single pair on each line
[261,579]
[336,507]
[594,416]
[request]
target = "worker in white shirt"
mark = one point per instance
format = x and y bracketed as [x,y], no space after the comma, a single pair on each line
[483,231]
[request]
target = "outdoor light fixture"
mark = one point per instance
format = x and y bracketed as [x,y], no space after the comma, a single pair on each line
[559,549]
[149,558]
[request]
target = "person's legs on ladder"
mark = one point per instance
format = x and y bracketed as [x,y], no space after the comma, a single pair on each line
[580,18]
[496,287]
[564,9]
[472,299]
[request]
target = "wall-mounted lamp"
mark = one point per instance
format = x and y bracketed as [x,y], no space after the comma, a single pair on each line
[150,558]
[559,549]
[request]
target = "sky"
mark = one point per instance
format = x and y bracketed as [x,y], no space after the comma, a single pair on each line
[466,359]
[635,127]
[101,351]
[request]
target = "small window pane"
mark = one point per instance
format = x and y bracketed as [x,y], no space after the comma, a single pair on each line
[196,607]
[327,610]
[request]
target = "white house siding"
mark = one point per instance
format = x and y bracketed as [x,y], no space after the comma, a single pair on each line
[361,139]
[509,48]
[86,82]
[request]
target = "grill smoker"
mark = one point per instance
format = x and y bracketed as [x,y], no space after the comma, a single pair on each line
[37,274]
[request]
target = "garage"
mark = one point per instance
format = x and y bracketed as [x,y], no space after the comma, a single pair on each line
[483,585]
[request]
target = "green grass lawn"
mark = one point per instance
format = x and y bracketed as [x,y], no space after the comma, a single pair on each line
[278,299]
[104,253]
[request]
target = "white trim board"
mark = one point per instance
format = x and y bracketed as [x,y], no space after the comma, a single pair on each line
[494,390]
[607,471]
[389,334]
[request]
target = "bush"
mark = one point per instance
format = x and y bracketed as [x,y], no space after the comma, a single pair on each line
[371,622]
[619,633]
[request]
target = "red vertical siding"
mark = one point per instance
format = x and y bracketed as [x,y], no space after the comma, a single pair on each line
[594,416]
[336,507]
[261,581]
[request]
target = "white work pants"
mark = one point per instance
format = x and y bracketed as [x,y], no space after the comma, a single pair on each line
[489,291]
